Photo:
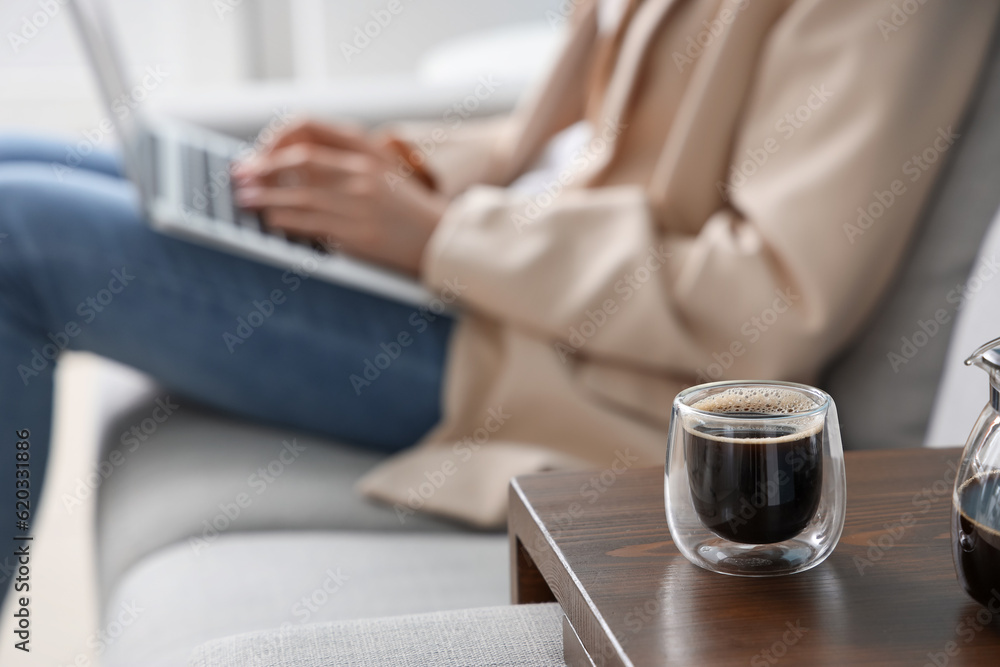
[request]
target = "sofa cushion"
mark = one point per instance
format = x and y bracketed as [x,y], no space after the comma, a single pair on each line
[199,474]
[183,595]
[885,402]
[495,637]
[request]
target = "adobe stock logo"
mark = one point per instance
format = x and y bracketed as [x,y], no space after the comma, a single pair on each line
[422,148]
[122,106]
[913,169]
[245,326]
[899,17]
[779,649]
[419,321]
[371,30]
[594,320]
[697,44]
[32,25]
[745,166]
[88,310]
[461,453]
[225,7]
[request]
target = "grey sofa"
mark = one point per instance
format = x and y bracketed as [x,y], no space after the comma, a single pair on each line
[300,570]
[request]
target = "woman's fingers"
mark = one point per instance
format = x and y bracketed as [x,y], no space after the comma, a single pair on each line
[318,182]
[339,231]
[312,132]
[307,198]
[304,164]
[344,199]
[310,224]
[256,197]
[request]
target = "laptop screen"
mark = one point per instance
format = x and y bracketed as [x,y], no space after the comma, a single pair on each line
[93,24]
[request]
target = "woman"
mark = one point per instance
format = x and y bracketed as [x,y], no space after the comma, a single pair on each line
[684,200]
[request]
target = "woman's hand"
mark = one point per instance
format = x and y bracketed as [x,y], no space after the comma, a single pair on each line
[322,182]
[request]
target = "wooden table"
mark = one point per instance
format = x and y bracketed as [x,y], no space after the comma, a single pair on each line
[598,544]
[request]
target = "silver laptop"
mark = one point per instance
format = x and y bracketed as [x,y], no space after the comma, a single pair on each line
[182,174]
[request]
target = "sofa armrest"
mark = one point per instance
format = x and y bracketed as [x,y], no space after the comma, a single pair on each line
[514,635]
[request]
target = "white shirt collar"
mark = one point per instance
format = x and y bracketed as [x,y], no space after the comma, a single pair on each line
[609,14]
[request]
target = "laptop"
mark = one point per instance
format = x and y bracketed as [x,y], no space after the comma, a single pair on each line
[182,175]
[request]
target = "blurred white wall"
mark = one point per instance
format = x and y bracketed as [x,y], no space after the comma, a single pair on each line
[45,84]
[44,81]
[418,26]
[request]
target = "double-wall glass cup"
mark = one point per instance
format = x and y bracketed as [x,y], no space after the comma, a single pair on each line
[755,482]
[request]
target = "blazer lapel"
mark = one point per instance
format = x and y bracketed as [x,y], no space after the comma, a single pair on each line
[545,113]
[558,100]
[647,20]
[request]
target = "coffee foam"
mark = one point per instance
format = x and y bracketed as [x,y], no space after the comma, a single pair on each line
[759,400]
[770,401]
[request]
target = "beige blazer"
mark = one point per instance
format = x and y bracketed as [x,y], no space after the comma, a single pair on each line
[756,171]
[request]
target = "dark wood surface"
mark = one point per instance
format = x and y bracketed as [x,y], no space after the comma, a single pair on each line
[887,596]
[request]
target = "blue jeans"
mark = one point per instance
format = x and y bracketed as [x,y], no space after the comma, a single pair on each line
[81,270]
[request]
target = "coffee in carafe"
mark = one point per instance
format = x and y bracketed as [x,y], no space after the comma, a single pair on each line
[976,498]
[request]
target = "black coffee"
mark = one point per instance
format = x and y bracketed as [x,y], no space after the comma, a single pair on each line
[755,484]
[977,549]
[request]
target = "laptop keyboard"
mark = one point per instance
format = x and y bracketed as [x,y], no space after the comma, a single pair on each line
[187,193]
[150,175]
[206,188]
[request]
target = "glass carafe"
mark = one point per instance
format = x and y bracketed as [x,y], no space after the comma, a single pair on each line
[976,498]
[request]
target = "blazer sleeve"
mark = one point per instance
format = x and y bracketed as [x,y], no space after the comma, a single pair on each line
[457,152]
[802,243]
